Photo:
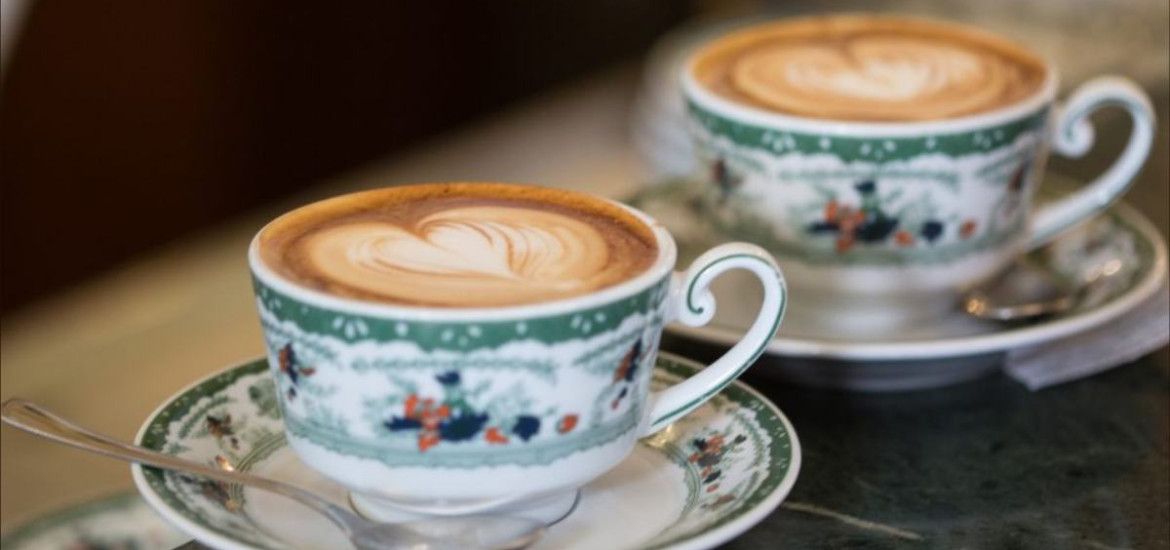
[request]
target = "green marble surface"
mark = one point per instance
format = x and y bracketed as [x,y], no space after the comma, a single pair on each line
[986,464]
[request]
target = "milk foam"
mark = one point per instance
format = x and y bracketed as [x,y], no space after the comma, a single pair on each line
[469,256]
[871,69]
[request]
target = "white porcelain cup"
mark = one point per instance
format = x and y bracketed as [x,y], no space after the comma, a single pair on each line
[878,224]
[423,410]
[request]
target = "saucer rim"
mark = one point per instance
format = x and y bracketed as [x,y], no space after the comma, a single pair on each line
[963,346]
[703,540]
[120,502]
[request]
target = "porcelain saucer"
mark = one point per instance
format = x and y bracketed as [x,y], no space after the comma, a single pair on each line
[117,521]
[698,483]
[944,350]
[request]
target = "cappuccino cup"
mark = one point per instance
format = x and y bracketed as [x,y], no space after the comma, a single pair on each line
[459,348]
[888,162]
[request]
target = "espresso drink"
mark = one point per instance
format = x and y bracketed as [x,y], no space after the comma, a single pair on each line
[868,68]
[459,245]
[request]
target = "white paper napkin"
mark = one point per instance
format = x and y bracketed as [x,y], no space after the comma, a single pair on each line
[1145,329]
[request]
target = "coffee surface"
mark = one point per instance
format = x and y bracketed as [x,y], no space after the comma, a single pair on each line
[868,68]
[459,245]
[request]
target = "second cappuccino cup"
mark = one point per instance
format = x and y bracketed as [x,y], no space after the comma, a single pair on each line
[888,162]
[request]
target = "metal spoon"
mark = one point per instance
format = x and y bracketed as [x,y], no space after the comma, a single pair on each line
[484,531]
[1024,291]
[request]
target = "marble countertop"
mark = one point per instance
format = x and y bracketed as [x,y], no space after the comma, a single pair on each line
[982,465]
[987,464]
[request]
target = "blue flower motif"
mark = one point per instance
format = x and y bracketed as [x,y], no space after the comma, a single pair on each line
[462,428]
[931,230]
[448,378]
[526,427]
[876,228]
[399,423]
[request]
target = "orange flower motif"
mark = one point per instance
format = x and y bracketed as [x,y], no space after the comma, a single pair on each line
[831,210]
[714,443]
[844,243]
[567,423]
[967,229]
[903,238]
[427,440]
[494,436]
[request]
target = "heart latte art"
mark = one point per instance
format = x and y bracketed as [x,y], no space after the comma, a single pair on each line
[855,68]
[490,254]
[456,252]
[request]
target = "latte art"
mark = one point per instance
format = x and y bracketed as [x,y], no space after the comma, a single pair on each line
[481,255]
[854,68]
[459,245]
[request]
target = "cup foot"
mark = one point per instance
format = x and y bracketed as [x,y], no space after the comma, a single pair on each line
[547,509]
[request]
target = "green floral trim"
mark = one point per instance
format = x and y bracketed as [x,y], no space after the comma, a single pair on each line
[155,438]
[156,433]
[535,453]
[867,149]
[756,230]
[780,449]
[600,359]
[268,444]
[458,336]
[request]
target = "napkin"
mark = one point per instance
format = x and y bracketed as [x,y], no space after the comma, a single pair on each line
[1141,331]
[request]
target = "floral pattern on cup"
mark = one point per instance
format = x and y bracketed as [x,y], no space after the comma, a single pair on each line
[869,224]
[744,439]
[489,405]
[453,418]
[878,212]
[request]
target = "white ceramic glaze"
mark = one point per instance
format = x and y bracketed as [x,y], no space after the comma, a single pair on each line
[465,410]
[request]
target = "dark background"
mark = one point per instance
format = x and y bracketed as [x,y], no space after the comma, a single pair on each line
[124,125]
[128,124]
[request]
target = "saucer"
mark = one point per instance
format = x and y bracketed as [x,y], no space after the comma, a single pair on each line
[698,483]
[119,521]
[943,350]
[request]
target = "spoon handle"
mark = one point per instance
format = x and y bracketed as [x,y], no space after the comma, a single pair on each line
[31,418]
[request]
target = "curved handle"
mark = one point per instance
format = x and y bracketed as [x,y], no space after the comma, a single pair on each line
[693,304]
[33,419]
[1073,136]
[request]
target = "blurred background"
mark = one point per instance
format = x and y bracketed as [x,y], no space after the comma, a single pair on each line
[130,124]
[142,143]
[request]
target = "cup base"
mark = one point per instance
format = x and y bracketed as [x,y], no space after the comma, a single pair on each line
[548,509]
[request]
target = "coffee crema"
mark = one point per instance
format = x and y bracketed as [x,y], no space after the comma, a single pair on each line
[868,68]
[459,245]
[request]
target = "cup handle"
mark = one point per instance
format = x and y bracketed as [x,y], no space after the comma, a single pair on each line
[691,303]
[1073,137]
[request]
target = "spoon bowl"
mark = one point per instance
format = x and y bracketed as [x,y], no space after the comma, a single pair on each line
[1023,291]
